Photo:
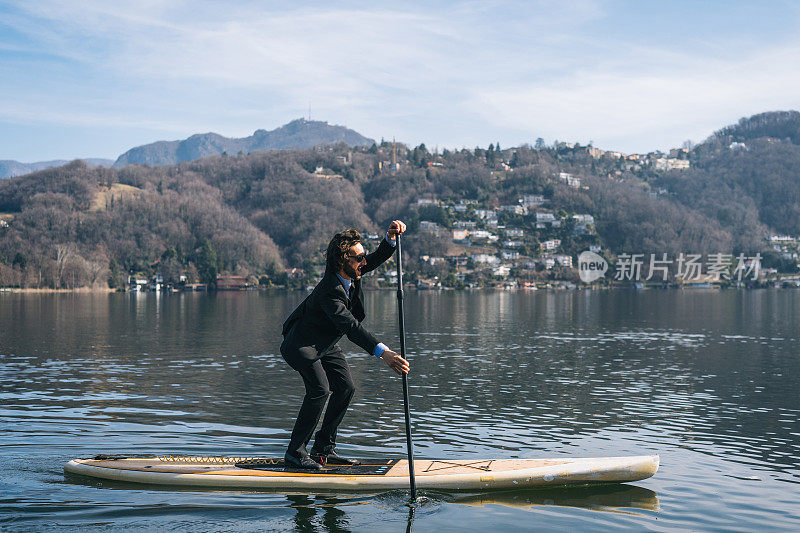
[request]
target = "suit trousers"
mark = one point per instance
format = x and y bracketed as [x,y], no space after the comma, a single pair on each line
[326,377]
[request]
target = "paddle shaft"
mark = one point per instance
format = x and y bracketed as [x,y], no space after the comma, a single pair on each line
[405,376]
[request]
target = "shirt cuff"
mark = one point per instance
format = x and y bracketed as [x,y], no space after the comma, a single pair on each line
[379,349]
[393,242]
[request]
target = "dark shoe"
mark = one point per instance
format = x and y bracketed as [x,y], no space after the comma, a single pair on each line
[332,458]
[303,462]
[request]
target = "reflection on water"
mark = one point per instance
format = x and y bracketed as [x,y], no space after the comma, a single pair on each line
[708,380]
[329,512]
[611,498]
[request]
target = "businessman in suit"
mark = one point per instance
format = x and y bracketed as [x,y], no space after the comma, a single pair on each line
[333,309]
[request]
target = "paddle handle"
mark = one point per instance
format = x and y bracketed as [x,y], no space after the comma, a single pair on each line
[401,313]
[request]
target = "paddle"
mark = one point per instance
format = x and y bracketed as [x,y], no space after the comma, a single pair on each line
[405,376]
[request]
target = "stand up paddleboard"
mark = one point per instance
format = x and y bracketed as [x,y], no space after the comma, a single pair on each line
[372,474]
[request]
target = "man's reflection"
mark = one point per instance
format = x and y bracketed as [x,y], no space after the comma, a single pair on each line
[333,519]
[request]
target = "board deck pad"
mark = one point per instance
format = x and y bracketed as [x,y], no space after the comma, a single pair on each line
[367,467]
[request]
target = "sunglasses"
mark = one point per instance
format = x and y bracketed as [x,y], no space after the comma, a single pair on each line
[358,258]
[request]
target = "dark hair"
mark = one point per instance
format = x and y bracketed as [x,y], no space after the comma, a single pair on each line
[339,246]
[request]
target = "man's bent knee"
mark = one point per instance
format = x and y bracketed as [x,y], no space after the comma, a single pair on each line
[347,389]
[318,394]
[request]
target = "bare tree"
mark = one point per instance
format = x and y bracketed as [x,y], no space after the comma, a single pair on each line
[64,253]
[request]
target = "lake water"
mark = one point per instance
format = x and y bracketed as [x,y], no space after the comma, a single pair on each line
[709,380]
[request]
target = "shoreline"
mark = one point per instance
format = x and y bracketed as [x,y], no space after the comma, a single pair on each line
[105,290]
[57,291]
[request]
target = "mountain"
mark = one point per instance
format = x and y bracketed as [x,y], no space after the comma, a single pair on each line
[10,168]
[297,134]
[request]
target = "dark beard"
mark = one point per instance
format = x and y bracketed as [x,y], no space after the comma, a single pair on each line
[350,271]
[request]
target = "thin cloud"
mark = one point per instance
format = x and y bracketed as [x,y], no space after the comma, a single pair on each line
[663,101]
[454,74]
[28,114]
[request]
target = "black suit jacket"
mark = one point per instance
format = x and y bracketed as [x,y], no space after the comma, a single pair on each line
[327,314]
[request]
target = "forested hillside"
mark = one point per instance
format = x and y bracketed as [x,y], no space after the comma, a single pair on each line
[10,168]
[523,210]
[746,174]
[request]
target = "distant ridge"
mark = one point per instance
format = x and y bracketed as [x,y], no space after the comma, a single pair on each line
[775,124]
[10,168]
[297,134]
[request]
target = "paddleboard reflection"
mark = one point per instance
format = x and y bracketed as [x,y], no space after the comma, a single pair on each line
[608,498]
[333,511]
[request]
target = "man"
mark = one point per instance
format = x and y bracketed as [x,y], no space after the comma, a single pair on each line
[334,308]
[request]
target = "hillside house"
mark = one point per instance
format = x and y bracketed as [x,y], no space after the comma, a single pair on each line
[664,163]
[460,234]
[433,260]
[570,180]
[532,200]
[564,260]
[429,227]
[485,259]
[516,209]
[427,201]
[294,273]
[596,153]
[501,271]
[458,261]
[428,284]
[482,234]
[322,172]
[544,219]
[232,283]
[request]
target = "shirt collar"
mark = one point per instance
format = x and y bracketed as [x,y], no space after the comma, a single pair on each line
[346,282]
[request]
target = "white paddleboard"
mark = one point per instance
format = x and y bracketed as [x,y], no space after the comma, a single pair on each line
[374,474]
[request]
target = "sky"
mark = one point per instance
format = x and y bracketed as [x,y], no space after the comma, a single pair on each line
[96,78]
